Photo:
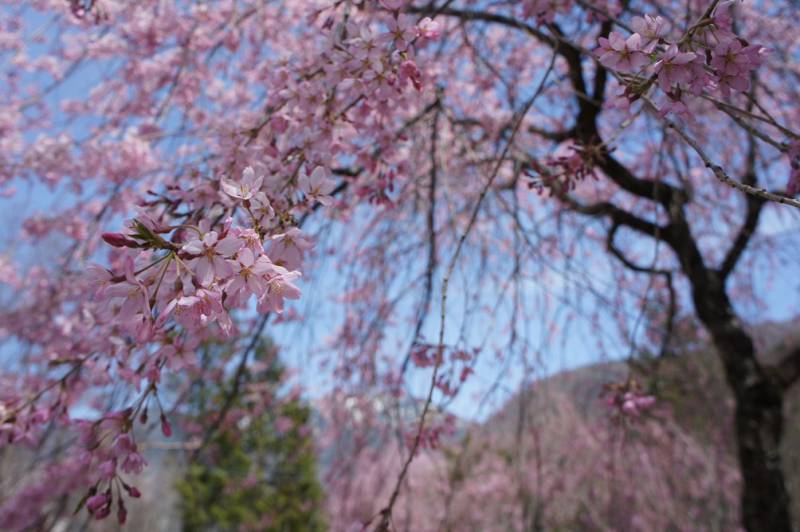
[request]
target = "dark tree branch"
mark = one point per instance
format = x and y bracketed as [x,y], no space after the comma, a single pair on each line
[619,217]
[667,274]
[755,205]
[484,16]
[788,371]
[555,136]
[431,228]
[585,129]
[612,247]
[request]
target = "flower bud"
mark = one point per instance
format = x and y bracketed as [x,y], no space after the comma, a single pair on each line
[166,429]
[118,240]
[96,502]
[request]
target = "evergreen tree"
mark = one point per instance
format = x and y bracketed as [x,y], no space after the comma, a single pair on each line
[259,472]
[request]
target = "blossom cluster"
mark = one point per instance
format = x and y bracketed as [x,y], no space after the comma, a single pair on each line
[563,170]
[221,240]
[628,399]
[196,276]
[709,57]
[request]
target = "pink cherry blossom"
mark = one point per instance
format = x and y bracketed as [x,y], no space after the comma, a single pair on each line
[212,252]
[392,4]
[245,188]
[318,186]
[672,67]
[287,249]
[161,163]
[279,287]
[429,28]
[261,208]
[249,273]
[625,55]
[652,30]
[402,31]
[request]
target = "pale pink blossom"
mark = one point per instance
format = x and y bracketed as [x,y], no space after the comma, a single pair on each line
[249,273]
[261,208]
[672,68]
[402,31]
[212,252]
[652,30]
[245,188]
[280,286]
[287,249]
[429,28]
[622,54]
[393,5]
[318,186]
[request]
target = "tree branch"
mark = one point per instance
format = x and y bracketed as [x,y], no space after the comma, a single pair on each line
[620,217]
[788,371]
[755,205]
[667,274]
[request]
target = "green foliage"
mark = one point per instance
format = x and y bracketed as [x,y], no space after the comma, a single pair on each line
[259,475]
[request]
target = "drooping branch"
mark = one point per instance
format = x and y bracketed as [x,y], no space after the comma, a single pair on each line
[612,247]
[651,270]
[431,229]
[720,172]
[755,206]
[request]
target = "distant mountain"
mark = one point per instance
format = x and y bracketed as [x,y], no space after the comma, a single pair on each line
[690,385]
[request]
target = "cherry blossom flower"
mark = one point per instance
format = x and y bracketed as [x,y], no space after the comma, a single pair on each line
[634,404]
[409,71]
[96,502]
[204,309]
[212,253]
[402,31]
[733,63]
[672,67]
[429,28]
[622,54]
[279,287]
[261,208]
[318,186]
[134,311]
[246,188]
[652,30]
[392,5]
[287,248]
[249,272]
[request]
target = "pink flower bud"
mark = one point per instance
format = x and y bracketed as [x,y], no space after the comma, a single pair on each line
[166,429]
[118,240]
[122,513]
[96,502]
[133,491]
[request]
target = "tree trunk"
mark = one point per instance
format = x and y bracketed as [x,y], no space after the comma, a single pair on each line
[759,409]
